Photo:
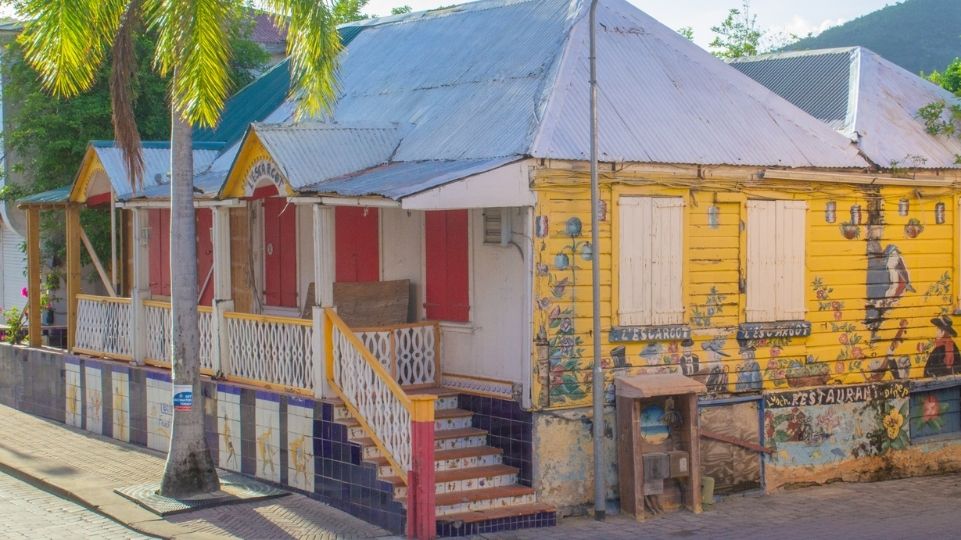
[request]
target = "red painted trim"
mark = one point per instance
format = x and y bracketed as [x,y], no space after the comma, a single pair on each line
[421,498]
[280,253]
[205,255]
[98,200]
[448,277]
[356,244]
[264,192]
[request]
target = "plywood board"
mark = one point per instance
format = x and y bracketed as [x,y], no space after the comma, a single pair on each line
[377,303]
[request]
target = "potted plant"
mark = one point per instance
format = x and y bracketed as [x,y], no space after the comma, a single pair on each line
[913,228]
[48,297]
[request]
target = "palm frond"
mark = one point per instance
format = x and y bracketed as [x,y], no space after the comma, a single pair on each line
[313,44]
[121,94]
[194,37]
[65,40]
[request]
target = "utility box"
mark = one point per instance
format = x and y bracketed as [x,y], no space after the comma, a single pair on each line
[658,443]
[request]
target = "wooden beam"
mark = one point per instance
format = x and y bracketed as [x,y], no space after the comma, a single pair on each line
[73,271]
[96,263]
[33,275]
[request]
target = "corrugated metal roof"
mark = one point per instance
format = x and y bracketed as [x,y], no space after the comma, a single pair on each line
[313,151]
[53,197]
[663,99]
[402,179]
[817,83]
[156,156]
[881,101]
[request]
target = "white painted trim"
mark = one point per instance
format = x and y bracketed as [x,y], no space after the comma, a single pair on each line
[324,255]
[527,347]
[505,186]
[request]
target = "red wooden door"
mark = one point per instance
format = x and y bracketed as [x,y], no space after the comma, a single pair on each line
[280,253]
[205,256]
[159,246]
[448,296]
[357,244]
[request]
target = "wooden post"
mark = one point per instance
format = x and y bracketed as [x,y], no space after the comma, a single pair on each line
[324,272]
[140,285]
[691,430]
[223,294]
[73,271]
[33,275]
[421,509]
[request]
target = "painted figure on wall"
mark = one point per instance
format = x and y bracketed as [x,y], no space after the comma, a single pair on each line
[943,359]
[690,363]
[887,278]
[717,377]
[749,372]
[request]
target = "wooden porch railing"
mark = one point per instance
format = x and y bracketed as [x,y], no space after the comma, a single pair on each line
[410,352]
[103,327]
[157,315]
[273,350]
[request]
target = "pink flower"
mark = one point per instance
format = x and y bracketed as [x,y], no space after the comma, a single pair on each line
[23,292]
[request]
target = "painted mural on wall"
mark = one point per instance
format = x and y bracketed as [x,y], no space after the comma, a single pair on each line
[829,427]
[877,279]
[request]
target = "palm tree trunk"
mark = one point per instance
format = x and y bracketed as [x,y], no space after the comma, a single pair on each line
[189,468]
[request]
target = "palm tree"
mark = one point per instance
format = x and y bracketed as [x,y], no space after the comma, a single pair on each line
[66,40]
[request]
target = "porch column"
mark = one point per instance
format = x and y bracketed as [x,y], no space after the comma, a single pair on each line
[73,271]
[33,275]
[223,293]
[139,284]
[324,272]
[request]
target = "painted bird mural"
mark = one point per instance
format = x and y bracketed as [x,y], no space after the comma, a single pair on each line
[887,280]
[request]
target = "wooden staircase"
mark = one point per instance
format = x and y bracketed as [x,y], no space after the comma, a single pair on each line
[475,491]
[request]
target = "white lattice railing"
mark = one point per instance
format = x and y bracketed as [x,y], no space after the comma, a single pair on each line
[370,392]
[158,333]
[273,350]
[409,352]
[103,326]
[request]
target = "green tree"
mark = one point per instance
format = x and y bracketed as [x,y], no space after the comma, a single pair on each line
[738,34]
[66,41]
[400,10]
[349,10]
[48,135]
[949,79]
[687,32]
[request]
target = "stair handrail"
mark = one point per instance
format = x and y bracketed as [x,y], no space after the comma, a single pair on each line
[391,432]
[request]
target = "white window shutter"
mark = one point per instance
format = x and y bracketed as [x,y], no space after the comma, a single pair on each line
[790,260]
[761,260]
[667,271]
[634,298]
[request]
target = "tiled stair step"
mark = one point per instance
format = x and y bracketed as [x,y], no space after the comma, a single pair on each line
[447,439]
[458,458]
[446,399]
[481,499]
[443,419]
[498,513]
[459,480]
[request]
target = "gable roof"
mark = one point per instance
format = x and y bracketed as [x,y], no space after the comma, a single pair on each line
[864,97]
[511,79]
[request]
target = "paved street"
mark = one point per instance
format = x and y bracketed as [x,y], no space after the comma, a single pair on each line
[30,512]
[912,508]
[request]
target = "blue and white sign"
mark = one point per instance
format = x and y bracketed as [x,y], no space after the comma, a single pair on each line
[183,397]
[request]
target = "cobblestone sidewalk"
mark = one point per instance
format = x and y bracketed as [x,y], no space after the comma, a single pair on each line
[29,512]
[88,468]
[926,507]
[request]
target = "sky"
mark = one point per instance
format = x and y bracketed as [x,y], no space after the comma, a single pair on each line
[775,16]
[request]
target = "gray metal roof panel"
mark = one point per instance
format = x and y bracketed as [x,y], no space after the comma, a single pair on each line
[313,151]
[402,179]
[156,168]
[663,99]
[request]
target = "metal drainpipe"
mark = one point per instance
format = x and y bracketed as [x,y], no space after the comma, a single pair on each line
[600,487]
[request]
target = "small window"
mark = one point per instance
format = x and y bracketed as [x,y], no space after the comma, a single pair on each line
[651,267]
[497,226]
[935,413]
[448,281]
[775,260]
